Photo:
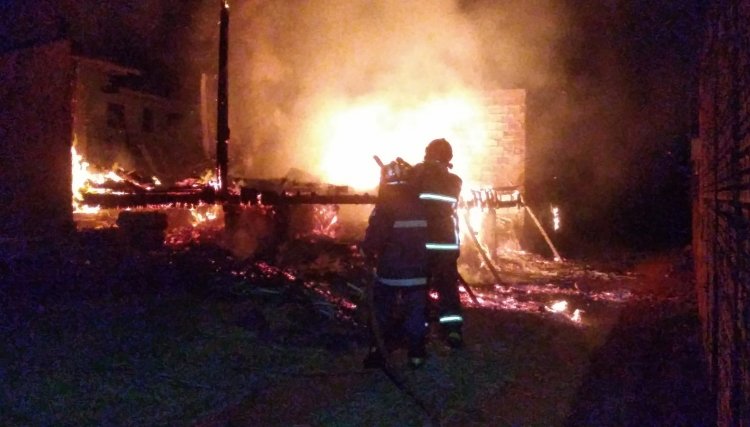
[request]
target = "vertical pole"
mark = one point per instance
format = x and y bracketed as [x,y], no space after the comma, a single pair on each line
[222,116]
[556,255]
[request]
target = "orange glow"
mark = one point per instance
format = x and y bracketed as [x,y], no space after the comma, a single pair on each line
[351,134]
[558,306]
[209,178]
[204,213]
[83,178]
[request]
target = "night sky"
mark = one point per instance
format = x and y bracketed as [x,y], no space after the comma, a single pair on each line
[612,95]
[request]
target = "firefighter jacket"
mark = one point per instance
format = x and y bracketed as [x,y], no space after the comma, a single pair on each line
[396,236]
[438,190]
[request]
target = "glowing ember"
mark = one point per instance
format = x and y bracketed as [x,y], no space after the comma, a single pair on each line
[204,213]
[326,220]
[576,317]
[210,179]
[558,307]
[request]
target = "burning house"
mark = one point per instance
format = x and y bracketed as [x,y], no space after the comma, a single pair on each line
[112,120]
[118,119]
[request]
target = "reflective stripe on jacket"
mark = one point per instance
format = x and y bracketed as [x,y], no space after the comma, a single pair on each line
[439,191]
[397,236]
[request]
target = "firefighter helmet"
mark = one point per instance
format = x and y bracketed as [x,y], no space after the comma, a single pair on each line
[439,150]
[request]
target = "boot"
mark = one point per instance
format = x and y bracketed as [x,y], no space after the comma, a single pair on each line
[417,355]
[453,336]
[455,339]
[373,360]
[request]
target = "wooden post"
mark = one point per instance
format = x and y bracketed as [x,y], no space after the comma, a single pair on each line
[222,116]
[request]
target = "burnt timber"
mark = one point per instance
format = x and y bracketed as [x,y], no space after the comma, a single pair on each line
[504,197]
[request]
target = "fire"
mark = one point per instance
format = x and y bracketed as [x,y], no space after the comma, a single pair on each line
[83,178]
[210,179]
[561,307]
[558,306]
[555,217]
[352,133]
[204,214]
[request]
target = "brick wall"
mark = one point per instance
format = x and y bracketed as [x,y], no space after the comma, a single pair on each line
[35,130]
[721,207]
[502,161]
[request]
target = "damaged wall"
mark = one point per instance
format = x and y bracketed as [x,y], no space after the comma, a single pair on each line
[503,161]
[118,122]
[35,129]
[721,207]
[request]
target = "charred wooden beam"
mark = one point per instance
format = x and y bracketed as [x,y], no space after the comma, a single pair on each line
[208,195]
[222,116]
[150,198]
[253,196]
[493,198]
[485,199]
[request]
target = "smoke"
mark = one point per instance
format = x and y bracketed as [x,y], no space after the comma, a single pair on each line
[292,60]
[610,84]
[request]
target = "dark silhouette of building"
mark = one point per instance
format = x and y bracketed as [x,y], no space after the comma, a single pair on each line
[721,207]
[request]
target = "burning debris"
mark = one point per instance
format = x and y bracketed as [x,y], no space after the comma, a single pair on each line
[262,229]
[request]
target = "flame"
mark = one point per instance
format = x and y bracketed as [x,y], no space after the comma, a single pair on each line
[326,220]
[555,217]
[351,133]
[204,213]
[83,178]
[475,219]
[558,307]
[209,178]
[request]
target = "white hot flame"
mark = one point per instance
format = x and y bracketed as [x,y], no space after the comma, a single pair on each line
[559,306]
[555,218]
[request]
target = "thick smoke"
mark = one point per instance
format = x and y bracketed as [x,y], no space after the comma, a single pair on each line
[611,84]
[290,58]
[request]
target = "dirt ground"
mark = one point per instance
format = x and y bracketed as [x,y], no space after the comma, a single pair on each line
[635,362]
[99,334]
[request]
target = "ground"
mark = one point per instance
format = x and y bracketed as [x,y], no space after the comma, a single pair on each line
[98,333]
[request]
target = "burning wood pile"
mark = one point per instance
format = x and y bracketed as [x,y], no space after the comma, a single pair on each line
[259,230]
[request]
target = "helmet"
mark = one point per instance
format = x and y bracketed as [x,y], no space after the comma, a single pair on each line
[440,150]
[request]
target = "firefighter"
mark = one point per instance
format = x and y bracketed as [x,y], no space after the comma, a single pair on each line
[394,244]
[439,190]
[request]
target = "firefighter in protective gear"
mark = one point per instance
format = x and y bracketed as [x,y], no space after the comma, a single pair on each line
[439,191]
[394,243]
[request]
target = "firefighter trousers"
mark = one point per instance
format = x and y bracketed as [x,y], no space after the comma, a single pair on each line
[444,280]
[401,315]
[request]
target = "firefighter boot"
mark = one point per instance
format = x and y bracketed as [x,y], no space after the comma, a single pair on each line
[454,338]
[451,326]
[374,359]
[417,354]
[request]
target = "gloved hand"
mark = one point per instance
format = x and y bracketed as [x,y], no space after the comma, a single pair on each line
[370,260]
